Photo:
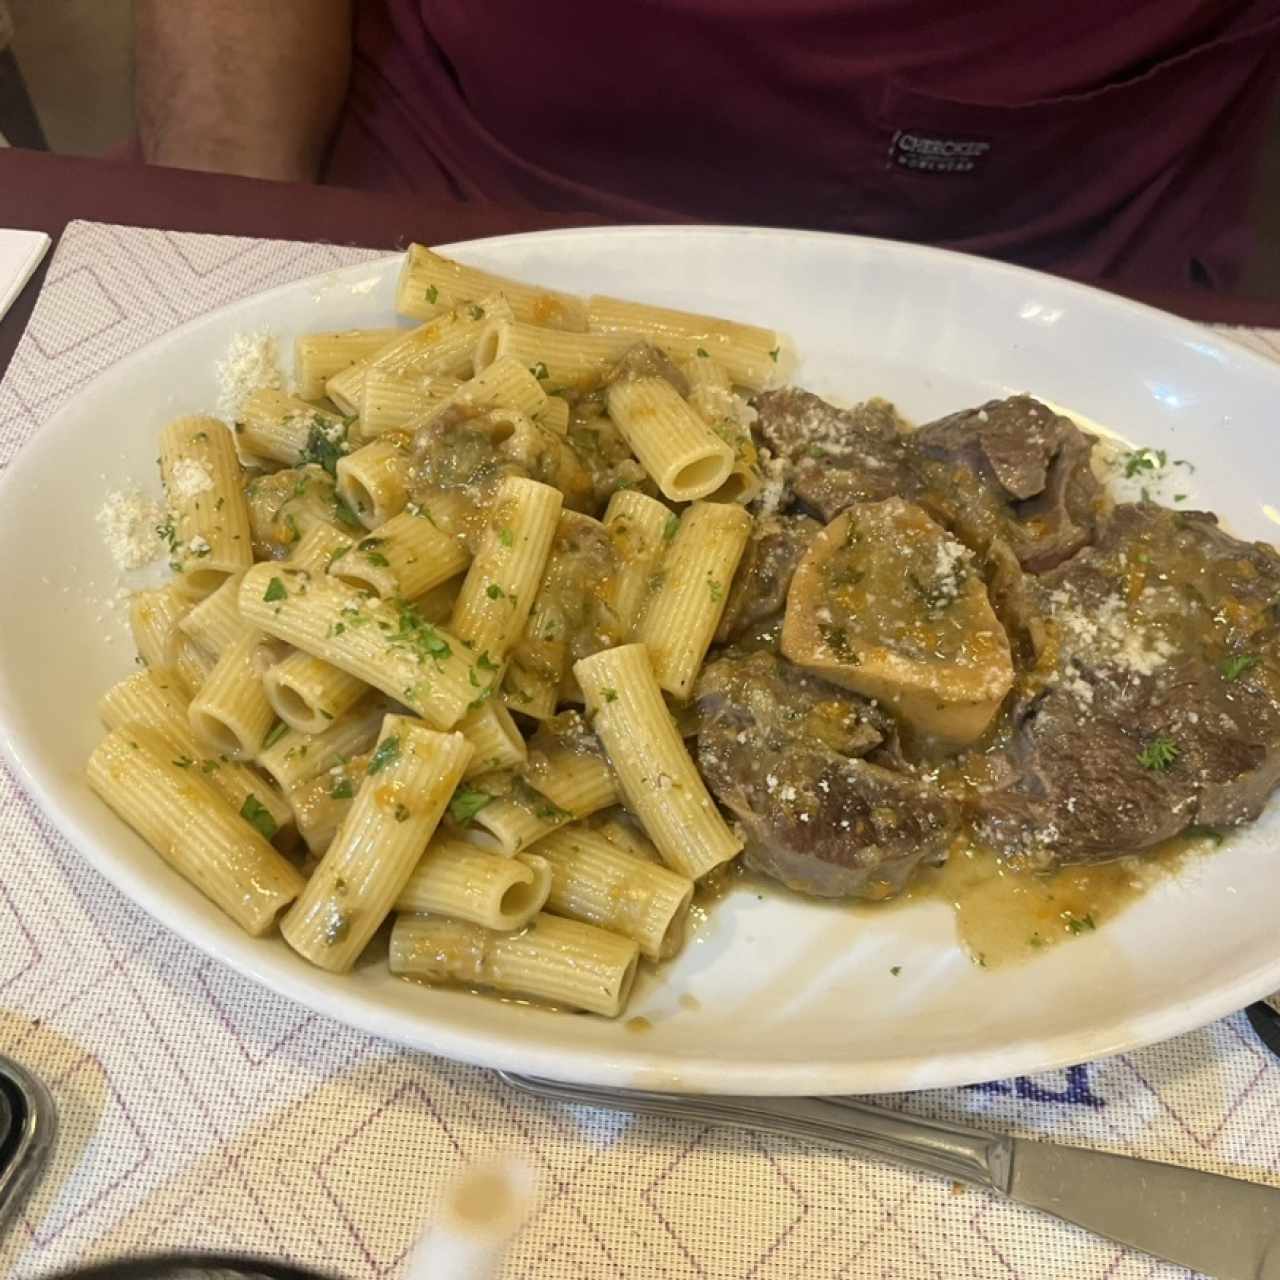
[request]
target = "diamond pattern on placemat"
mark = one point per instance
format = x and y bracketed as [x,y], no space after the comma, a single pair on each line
[199,1110]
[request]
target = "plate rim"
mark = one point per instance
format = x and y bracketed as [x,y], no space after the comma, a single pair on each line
[341,1000]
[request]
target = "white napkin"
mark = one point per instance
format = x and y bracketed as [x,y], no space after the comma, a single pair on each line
[20,254]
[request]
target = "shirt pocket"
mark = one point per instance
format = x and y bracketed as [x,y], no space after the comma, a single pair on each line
[958,170]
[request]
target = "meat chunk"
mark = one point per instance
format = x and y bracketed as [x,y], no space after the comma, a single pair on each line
[1035,486]
[760,585]
[835,456]
[1156,704]
[802,765]
[644,360]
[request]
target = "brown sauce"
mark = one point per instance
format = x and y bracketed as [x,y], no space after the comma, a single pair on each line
[1005,915]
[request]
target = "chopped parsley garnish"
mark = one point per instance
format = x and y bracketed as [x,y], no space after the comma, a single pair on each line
[895,969]
[254,812]
[319,448]
[506,537]
[715,590]
[551,812]
[1035,940]
[702,352]
[388,750]
[402,812]
[1158,754]
[493,591]
[342,789]
[1078,924]
[1148,460]
[184,762]
[344,513]
[476,312]
[275,591]
[208,766]
[610,695]
[417,634]
[275,735]
[337,554]
[433,294]
[540,371]
[466,803]
[773,355]
[669,529]
[1237,664]
[169,534]
[486,663]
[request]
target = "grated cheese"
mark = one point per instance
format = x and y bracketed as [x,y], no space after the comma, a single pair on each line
[252,362]
[189,478]
[129,521]
[1109,633]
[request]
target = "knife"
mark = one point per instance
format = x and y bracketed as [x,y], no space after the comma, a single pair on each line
[1223,1227]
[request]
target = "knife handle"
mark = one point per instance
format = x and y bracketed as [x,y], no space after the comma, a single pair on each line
[949,1151]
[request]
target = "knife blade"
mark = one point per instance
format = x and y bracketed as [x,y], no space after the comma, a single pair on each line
[1226,1228]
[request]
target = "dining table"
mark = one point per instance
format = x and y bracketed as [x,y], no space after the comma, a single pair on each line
[199,1111]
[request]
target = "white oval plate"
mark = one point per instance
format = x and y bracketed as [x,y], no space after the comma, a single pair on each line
[788,996]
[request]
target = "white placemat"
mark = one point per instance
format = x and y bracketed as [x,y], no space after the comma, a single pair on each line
[199,1111]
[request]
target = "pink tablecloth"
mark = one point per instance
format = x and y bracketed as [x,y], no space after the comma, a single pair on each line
[200,1111]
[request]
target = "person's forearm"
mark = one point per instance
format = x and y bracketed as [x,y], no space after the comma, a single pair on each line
[241,86]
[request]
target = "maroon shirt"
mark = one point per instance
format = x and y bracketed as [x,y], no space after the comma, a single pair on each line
[1098,137]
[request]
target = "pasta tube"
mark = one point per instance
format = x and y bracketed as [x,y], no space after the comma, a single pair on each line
[191,665]
[412,773]
[231,713]
[215,623]
[755,358]
[494,736]
[386,644]
[294,758]
[444,346]
[456,879]
[686,459]
[209,532]
[594,880]
[396,402]
[641,529]
[320,804]
[684,611]
[308,693]
[409,554]
[712,396]
[504,383]
[193,829]
[430,284]
[317,357]
[286,429]
[562,961]
[153,619]
[497,593]
[374,480]
[152,701]
[657,778]
[558,788]
[560,361]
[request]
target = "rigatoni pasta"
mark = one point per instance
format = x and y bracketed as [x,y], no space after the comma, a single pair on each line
[684,609]
[193,829]
[430,284]
[456,879]
[442,541]
[208,529]
[411,774]
[656,775]
[564,962]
